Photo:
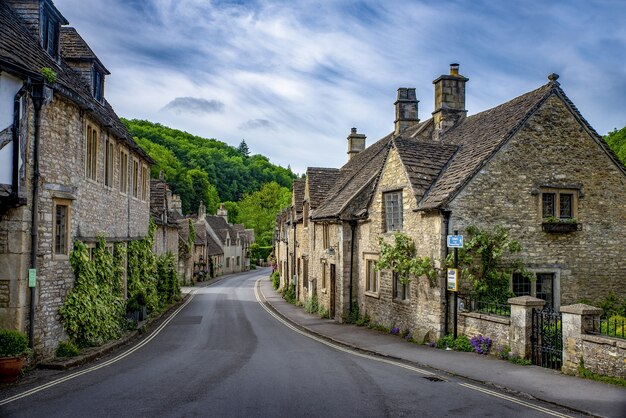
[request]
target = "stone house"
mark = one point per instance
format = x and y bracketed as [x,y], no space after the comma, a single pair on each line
[504,166]
[69,170]
[166,218]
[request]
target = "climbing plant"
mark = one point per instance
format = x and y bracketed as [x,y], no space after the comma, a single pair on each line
[142,279]
[93,311]
[168,287]
[487,263]
[400,257]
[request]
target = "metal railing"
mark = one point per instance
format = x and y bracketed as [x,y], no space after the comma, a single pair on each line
[490,308]
[614,326]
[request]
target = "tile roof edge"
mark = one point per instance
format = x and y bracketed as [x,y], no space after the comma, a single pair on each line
[553,90]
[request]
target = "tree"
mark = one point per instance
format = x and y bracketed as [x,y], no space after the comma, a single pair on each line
[243,148]
[258,210]
[617,141]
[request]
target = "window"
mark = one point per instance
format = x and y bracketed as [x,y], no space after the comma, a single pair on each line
[227,262]
[61,227]
[145,177]
[238,260]
[393,211]
[325,236]
[135,179]
[558,203]
[372,277]
[400,290]
[108,163]
[323,275]
[123,171]
[98,84]
[91,154]
[49,33]
[542,287]
[305,215]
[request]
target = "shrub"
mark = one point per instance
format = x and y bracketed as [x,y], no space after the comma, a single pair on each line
[353,316]
[67,349]
[312,305]
[290,294]
[447,341]
[324,313]
[504,352]
[275,277]
[13,343]
[481,344]
[462,343]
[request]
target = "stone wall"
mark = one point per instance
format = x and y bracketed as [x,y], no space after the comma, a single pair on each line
[495,327]
[553,149]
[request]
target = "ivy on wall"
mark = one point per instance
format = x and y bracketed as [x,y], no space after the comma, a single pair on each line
[400,257]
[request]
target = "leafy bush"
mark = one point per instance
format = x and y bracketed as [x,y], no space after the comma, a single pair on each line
[67,349]
[290,294]
[353,316]
[13,343]
[519,360]
[462,343]
[324,313]
[312,305]
[481,344]
[504,352]
[615,326]
[275,277]
[447,341]
[168,287]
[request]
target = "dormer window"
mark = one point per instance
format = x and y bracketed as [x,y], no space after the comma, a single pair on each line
[49,32]
[98,84]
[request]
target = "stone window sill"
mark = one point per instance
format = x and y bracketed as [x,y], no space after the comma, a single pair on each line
[401,301]
[375,295]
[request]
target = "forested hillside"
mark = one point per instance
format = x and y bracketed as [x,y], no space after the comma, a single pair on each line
[617,141]
[208,170]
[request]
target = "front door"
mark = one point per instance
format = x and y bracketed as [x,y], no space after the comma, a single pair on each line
[332,290]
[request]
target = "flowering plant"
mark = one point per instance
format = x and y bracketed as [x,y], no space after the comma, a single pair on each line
[481,344]
[395,330]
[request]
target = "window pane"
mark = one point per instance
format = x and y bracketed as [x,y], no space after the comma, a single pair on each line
[565,205]
[544,288]
[60,235]
[393,211]
[521,285]
[548,204]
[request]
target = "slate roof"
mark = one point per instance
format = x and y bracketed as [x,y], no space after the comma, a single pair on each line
[320,180]
[158,204]
[437,169]
[298,194]
[74,47]
[21,54]
[220,227]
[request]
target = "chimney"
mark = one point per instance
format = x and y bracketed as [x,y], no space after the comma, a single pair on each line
[201,211]
[449,99]
[356,143]
[176,204]
[223,212]
[406,110]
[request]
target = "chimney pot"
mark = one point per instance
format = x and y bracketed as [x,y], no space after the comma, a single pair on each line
[454,69]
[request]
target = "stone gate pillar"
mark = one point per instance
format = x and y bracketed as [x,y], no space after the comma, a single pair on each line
[520,330]
[576,320]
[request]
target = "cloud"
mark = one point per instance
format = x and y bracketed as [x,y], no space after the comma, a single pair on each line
[257,124]
[194,105]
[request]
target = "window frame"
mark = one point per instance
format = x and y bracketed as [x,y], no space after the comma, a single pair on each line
[398,295]
[557,194]
[67,204]
[109,162]
[145,177]
[554,301]
[124,168]
[97,84]
[391,214]
[91,152]
[135,178]
[372,278]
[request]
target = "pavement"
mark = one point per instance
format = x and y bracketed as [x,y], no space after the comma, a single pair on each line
[532,382]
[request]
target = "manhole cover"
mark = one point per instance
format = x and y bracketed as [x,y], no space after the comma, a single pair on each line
[434,378]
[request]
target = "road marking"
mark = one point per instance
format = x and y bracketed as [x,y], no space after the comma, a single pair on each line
[393,362]
[106,363]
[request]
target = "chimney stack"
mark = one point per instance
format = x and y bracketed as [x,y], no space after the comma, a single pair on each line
[406,110]
[176,204]
[356,143]
[201,211]
[449,99]
[223,212]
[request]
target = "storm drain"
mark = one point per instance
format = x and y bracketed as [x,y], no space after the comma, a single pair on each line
[434,378]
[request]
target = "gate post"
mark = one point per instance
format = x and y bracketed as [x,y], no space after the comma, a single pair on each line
[520,329]
[577,320]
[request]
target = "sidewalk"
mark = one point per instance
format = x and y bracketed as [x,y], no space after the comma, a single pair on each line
[583,395]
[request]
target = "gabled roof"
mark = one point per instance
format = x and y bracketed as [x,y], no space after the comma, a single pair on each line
[159,204]
[320,181]
[221,228]
[74,47]
[298,194]
[21,54]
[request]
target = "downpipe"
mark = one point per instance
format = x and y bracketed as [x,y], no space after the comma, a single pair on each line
[446,231]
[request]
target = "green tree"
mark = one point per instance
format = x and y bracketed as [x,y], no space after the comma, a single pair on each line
[258,210]
[617,141]
[243,148]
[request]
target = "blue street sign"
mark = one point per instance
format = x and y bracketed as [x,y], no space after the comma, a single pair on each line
[455,241]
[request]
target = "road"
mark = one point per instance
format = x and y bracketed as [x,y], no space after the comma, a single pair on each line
[223,354]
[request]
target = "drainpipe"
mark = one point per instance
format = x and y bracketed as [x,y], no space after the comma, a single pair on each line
[16,137]
[446,231]
[294,265]
[37,96]
[352,228]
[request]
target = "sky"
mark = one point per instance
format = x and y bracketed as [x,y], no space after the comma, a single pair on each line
[292,77]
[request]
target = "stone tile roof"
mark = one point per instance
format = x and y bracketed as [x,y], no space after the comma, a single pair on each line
[213,247]
[320,181]
[478,137]
[220,227]
[159,204]
[21,53]
[74,47]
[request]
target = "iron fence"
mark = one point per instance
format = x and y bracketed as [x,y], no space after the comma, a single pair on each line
[614,326]
[490,308]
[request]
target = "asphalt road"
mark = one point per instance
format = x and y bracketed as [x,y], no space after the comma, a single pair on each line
[223,354]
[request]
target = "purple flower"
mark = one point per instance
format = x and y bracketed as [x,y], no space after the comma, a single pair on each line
[395,330]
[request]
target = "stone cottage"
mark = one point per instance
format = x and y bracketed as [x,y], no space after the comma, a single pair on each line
[69,170]
[533,165]
[166,216]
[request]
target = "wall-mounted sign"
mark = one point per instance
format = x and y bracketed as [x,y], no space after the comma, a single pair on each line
[453,280]
[455,241]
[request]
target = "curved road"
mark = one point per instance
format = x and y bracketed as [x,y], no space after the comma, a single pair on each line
[223,354]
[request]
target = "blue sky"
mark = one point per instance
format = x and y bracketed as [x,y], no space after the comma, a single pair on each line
[292,77]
